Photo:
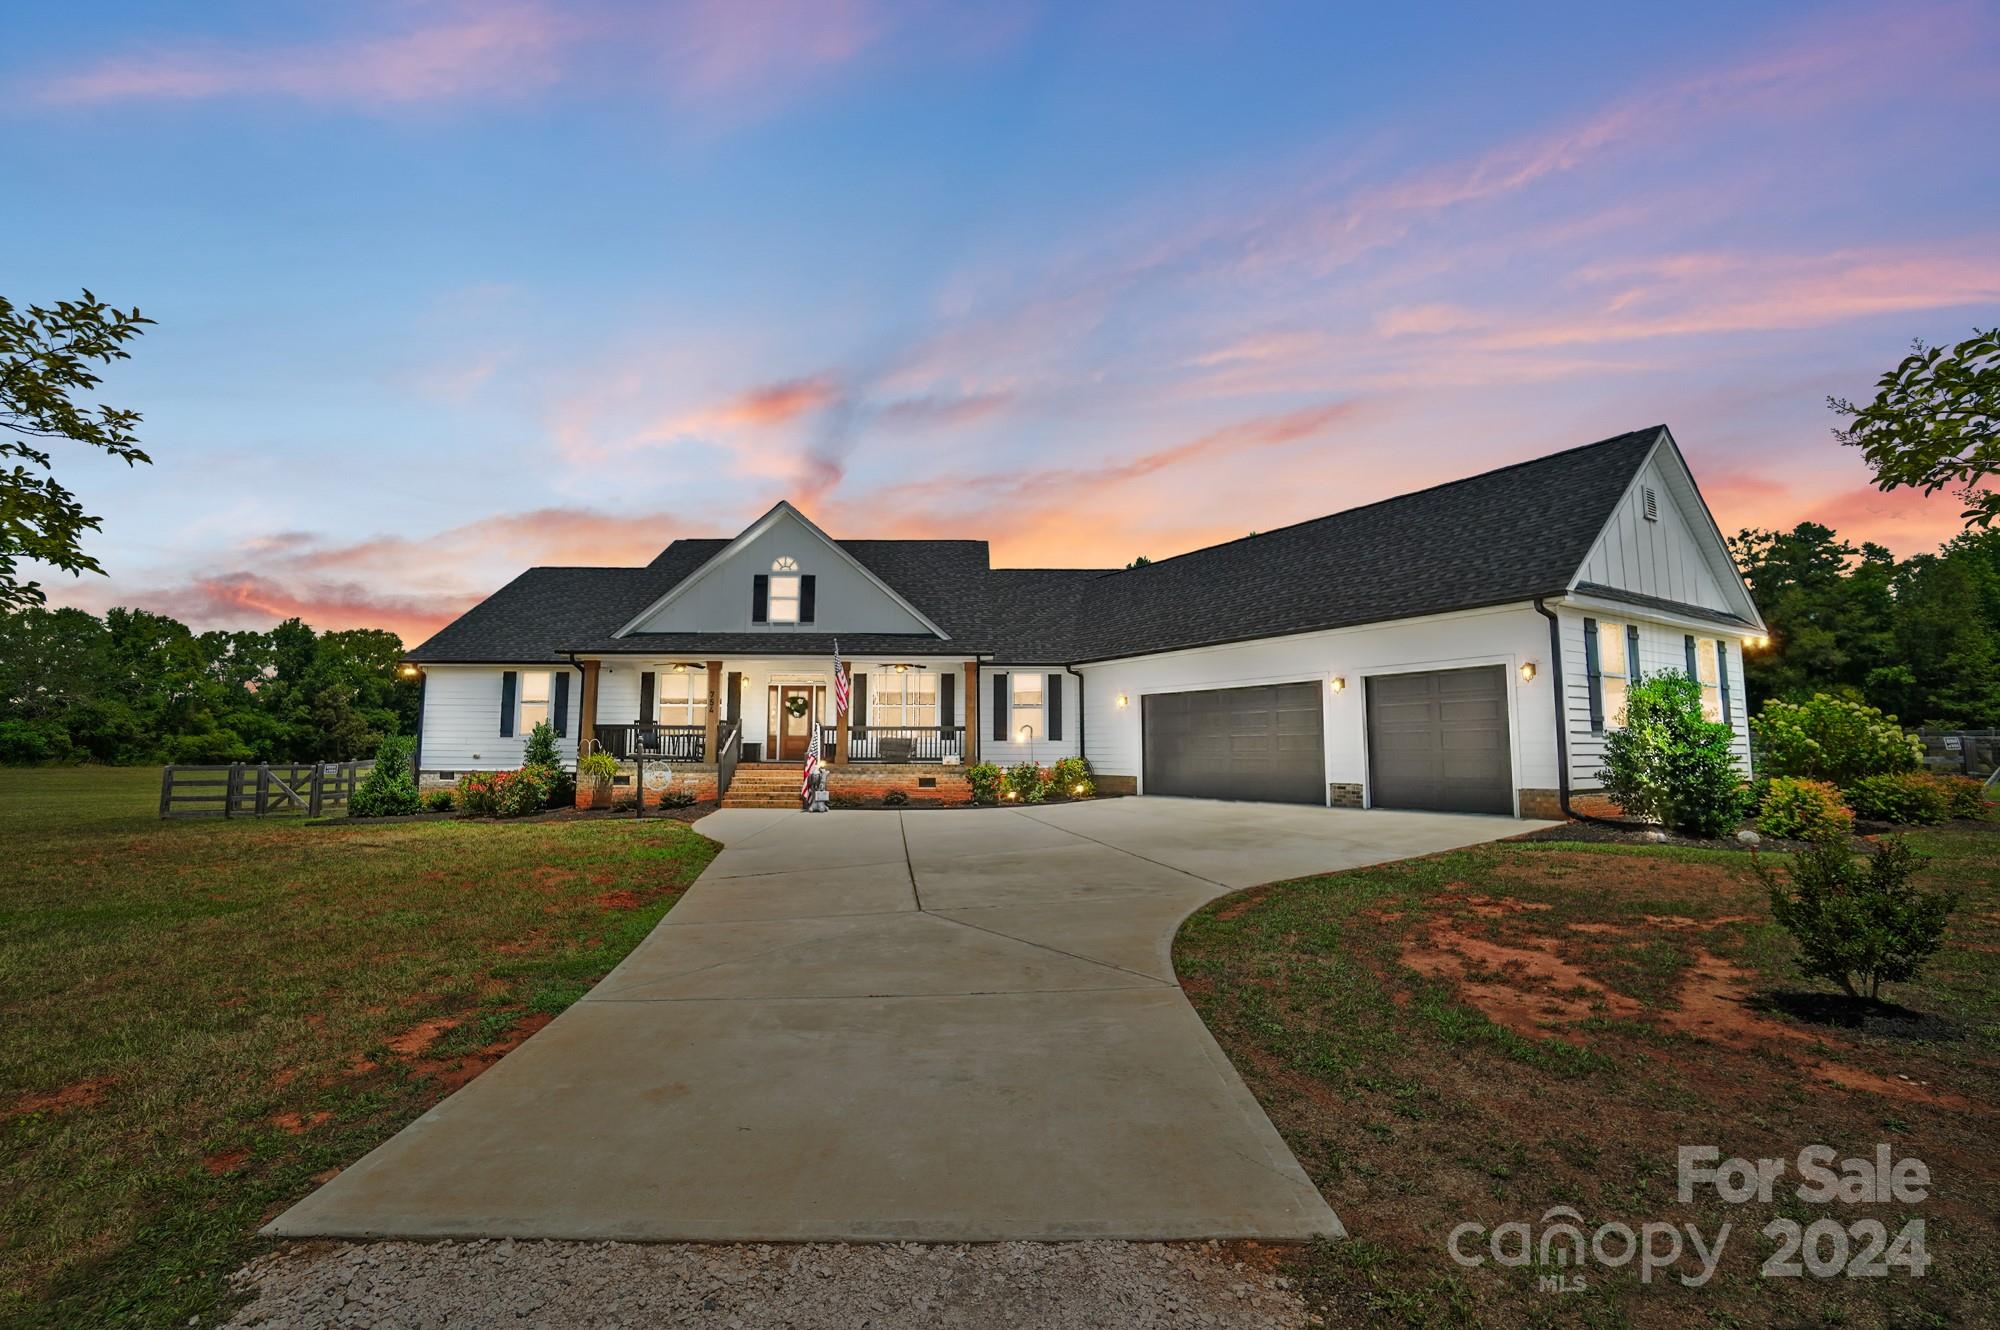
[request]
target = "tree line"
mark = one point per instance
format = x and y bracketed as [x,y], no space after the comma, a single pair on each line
[137,687]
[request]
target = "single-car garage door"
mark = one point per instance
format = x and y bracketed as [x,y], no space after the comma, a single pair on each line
[1439,740]
[1237,743]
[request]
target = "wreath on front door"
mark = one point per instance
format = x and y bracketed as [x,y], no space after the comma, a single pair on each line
[795,706]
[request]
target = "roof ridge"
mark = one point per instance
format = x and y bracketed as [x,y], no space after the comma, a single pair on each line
[1396,498]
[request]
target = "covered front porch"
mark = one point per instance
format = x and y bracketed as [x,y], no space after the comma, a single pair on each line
[920,710]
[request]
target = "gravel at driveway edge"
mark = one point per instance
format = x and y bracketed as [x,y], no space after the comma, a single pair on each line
[1084,1285]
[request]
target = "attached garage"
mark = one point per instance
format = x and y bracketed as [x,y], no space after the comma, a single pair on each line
[1263,743]
[1438,740]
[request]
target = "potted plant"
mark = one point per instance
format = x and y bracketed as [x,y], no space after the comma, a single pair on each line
[594,773]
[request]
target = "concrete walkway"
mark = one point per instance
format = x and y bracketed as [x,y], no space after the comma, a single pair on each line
[936,1026]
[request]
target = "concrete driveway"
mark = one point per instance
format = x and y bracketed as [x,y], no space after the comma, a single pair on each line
[952,1025]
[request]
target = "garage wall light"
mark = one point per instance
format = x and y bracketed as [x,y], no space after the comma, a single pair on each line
[1527,671]
[1338,683]
[1124,701]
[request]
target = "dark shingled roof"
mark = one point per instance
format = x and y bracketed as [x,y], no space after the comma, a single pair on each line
[1508,535]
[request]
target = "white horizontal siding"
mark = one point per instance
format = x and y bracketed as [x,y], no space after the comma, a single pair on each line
[1662,648]
[462,719]
[1040,750]
[1509,637]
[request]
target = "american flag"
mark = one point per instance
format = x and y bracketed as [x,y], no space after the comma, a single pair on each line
[840,693]
[812,759]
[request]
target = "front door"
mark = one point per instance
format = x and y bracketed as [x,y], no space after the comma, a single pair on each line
[794,731]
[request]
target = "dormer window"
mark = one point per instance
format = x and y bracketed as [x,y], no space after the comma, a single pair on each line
[784,595]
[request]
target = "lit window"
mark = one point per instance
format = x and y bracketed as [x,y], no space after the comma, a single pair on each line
[908,698]
[534,701]
[783,606]
[1709,670]
[683,697]
[1614,670]
[1027,707]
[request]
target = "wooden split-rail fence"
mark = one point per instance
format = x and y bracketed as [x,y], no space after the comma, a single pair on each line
[244,789]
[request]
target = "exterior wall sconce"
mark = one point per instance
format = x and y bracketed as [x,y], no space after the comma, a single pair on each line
[1527,671]
[409,671]
[1123,701]
[1338,683]
[1753,643]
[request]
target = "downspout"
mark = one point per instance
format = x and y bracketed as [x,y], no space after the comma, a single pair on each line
[1081,751]
[417,755]
[1561,706]
[582,681]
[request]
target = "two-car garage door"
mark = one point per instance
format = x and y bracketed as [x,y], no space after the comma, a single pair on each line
[1436,740]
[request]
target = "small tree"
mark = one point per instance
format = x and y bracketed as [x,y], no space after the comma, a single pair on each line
[1935,422]
[1858,921]
[390,787]
[1669,765]
[541,766]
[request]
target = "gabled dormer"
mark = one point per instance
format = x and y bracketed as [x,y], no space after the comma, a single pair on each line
[782,575]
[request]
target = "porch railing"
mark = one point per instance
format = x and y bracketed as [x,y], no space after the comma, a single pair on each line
[728,747]
[650,739]
[898,743]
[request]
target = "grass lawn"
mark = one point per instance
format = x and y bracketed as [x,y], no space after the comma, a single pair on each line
[204,1018]
[1485,1035]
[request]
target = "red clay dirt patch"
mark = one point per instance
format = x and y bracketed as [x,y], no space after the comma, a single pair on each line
[226,1161]
[419,1037]
[77,1094]
[452,1073]
[297,1123]
[1532,989]
[617,900]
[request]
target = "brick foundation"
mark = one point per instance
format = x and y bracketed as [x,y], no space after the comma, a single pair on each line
[1540,803]
[871,781]
[694,779]
[1344,795]
[1115,787]
[1594,805]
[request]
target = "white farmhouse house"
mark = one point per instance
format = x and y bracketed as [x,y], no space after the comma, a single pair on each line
[1464,647]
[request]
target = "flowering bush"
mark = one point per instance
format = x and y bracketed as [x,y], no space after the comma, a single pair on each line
[1803,810]
[1071,778]
[984,778]
[506,793]
[1831,738]
[1912,797]
[1965,796]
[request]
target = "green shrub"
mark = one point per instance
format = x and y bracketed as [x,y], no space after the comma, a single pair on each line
[390,787]
[1027,783]
[1913,798]
[1669,765]
[477,792]
[984,778]
[439,801]
[1858,921]
[1071,779]
[1803,810]
[507,793]
[598,768]
[1831,738]
[676,797]
[1965,796]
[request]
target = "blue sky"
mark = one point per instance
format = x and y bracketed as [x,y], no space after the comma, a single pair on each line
[447,289]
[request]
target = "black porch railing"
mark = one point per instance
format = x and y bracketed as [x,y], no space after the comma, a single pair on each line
[728,747]
[897,743]
[650,739]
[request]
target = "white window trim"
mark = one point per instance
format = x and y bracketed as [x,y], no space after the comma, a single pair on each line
[784,597]
[1032,727]
[532,711]
[1614,633]
[691,708]
[901,699]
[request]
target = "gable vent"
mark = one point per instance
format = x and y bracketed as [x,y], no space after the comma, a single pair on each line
[1652,505]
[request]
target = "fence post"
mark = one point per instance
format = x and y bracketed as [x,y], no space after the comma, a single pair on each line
[232,787]
[263,788]
[318,781]
[166,788]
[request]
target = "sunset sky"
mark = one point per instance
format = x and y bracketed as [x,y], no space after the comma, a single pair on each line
[446,289]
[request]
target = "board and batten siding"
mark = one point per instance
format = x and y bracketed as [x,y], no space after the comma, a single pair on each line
[1675,556]
[1508,636]
[1662,648]
[462,719]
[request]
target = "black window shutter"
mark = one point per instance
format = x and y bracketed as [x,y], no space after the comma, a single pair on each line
[562,703]
[733,708]
[1593,673]
[646,711]
[947,699]
[760,599]
[1694,670]
[808,593]
[1000,707]
[510,683]
[1054,686]
[858,699]
[1632,652]
[1722,675]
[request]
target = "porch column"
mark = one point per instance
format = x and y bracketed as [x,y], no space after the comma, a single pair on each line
[971,712]
[586,708]
[840,726]
[713,710]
